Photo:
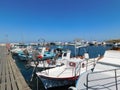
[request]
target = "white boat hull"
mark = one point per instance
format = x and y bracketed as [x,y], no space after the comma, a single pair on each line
[57,82]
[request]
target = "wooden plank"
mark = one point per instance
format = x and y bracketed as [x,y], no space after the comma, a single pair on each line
[3,75]
[2,87]
[15,72]
[0,72]
[14,87]
[19,78]
[10,76]
[8,84]
[0,68]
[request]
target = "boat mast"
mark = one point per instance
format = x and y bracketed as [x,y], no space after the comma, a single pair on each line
[41,41]
[75,47]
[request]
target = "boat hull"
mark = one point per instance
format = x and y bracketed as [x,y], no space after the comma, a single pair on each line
[24,57]
[57,82]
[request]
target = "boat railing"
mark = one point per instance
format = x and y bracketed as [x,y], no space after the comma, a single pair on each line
[90,62]
[85,65]
[77,69]
[107,79]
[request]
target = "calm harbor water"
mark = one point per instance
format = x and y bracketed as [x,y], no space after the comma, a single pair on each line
[36,83]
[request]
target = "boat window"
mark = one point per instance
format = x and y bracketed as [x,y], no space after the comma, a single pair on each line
[65,54]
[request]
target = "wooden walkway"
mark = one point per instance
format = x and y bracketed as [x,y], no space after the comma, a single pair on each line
[10,76]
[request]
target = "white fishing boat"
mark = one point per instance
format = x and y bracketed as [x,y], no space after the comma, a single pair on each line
[16,50]
[66,74]
[25,57]
[53,62]
[25,54]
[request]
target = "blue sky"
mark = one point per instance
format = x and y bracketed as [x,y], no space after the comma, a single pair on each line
[59,20]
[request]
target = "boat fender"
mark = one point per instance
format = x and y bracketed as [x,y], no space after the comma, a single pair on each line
[48,61]
[72,88]
[39,57]
[36,62]
[72,64]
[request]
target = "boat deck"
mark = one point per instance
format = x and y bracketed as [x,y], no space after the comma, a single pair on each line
[106,75]
[10,76]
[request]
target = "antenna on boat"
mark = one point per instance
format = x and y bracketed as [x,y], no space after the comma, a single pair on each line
[22,38]
[75,48]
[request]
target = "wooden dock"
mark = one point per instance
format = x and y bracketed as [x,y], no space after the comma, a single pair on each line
[10,76]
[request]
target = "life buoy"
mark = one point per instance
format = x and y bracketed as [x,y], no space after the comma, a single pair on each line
[72,64]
